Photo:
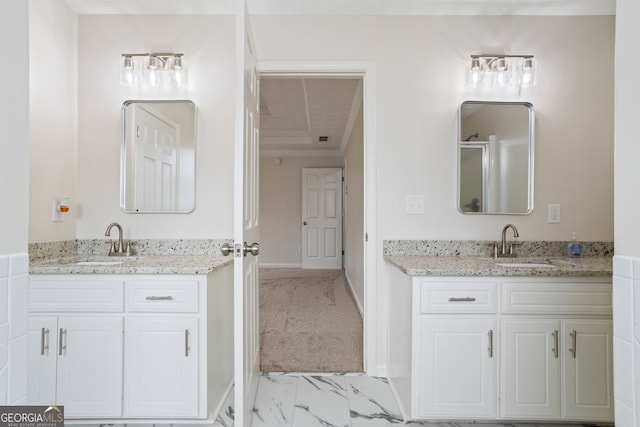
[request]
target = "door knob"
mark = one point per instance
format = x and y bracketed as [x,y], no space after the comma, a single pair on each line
[253,249]
[226,249]
[304,223]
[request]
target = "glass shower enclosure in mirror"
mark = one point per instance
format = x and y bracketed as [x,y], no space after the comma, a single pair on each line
[158,156]
[495,158]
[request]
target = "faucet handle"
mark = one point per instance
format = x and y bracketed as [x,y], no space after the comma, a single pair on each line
[112,249]
[494,249]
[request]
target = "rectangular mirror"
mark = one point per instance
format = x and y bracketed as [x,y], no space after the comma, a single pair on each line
[495,158]
[158,157]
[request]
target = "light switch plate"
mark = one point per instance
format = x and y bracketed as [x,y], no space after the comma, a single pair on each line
[415,205]
[554,214]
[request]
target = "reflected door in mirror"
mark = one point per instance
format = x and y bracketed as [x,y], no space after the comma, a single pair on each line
[158,157]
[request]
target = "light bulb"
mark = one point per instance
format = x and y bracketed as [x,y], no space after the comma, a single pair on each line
[177,63]
[153,63]
[475,64]
[128,63]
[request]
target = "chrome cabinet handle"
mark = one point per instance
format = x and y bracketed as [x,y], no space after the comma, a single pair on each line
[490,334]
[555,343]
[465,299]
[574,343]
[159,298]
[44,341]
[62,341]
[186,343]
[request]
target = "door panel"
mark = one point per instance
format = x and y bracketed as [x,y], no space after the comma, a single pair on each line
[90,366]
[246,338]
[322,218]
[531,368]
[588,369]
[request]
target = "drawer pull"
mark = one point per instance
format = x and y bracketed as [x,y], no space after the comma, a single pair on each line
[159,298]
[555,344]
[44,341]
[574,343]
[465,299]
[186,343]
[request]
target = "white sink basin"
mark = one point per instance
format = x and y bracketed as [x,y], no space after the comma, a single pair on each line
[98,262]
[525,264]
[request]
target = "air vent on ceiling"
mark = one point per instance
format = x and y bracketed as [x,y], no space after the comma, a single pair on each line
[323,139]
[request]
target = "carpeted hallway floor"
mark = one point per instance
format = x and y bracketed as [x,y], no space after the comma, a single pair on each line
[308,322]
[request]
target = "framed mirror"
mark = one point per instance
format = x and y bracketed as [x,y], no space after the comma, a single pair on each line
[158,157]
[495,158]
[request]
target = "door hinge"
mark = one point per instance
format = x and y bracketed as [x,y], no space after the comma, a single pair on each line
[366,237]
[343,252]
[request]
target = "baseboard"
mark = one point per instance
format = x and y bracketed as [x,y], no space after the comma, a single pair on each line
[276,265]
[353,295]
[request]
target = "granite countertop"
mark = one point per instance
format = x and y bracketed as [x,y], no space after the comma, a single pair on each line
[420,265]
[162,264]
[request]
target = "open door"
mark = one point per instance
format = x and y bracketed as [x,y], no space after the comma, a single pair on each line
[245,248]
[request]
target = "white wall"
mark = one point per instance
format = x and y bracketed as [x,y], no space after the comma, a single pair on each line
[420,74]
[14,122]
[626,269]
[281,208]
[207,44]
[14,193]
[53,118]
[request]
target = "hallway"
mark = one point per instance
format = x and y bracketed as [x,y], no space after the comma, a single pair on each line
[308,322]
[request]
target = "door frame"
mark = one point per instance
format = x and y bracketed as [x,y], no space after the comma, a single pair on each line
[365,70]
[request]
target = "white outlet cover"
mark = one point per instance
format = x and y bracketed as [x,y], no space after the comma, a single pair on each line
[415,205]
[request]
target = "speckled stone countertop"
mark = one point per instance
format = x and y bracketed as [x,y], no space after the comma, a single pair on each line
[473,258]
[163,264]
[423,265]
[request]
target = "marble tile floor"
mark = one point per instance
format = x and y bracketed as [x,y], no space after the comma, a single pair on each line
[352,400]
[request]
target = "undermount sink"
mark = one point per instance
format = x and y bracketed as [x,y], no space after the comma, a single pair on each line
[525,264]
[98,262]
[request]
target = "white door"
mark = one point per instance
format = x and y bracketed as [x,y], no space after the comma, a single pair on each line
[457,368]
[322,218]
[90,366]
[588,369]
[531,364]
[245,249]
[156,160]
[161,367]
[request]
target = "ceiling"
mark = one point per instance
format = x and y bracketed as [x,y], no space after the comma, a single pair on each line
[349,7]
[297,113]
[307,116]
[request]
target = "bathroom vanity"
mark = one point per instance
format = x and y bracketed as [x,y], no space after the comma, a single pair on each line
[149,340]
[489,341]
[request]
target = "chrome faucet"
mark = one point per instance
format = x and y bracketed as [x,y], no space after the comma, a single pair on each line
[503,249]
[118,248]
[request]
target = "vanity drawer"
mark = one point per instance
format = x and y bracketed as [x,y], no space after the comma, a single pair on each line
[556,298]
[76,296]
[175,296]
[458,297]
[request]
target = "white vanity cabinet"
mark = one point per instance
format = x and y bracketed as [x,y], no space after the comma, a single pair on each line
[131,348]
[557,364]
[161,348]
[75,346]
[501,348]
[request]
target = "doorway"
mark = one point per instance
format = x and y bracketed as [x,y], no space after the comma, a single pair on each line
[285,154]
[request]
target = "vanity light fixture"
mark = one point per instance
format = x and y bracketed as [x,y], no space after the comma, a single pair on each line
[156,69]
[501,70]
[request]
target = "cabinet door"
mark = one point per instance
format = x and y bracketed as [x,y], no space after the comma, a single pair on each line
[456,364]
[530,368]
[41,375]
[161,367]
[587,369]
[90,366]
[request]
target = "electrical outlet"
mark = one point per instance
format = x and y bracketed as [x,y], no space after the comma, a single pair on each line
[415,205]
[554,214]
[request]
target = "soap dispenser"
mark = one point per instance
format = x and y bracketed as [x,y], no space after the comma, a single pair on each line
[574,249]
